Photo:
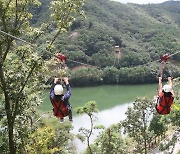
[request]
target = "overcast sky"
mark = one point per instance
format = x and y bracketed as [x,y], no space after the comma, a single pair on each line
[142,1]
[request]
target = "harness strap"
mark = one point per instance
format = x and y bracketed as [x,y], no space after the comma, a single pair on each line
[58,109]
[166,105]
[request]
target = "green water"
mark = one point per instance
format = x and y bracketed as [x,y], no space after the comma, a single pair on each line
[106,96]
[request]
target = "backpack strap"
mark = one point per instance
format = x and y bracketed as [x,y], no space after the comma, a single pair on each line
[166,107]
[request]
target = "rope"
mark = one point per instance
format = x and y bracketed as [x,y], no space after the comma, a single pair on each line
[12,36]
[33,45]
[81,63]
[60,71]
[161,70]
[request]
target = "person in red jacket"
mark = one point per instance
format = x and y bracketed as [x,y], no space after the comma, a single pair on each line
[60,101]
[165,97]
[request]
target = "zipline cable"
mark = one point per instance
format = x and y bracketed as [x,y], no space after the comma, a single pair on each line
[81,63]
[33,45]
[12,36]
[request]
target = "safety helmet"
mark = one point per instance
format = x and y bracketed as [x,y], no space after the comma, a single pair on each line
[167,88]
[58,89]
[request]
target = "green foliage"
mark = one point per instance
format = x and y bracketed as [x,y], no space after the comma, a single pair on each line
[86,76]
[169,144]
[15,15]
[174,117]
[64,12]
[157,126]
[111,75]
[136,123]
[3,139]
[143,34]
[110,141]
[24,84]
[50,137]
[41,141]
[22,70]
[103,59]
[90,108]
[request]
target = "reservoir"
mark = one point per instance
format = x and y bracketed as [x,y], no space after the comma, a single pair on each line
[106,96]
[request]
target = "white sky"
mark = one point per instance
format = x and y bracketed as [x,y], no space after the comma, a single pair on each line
[141,1]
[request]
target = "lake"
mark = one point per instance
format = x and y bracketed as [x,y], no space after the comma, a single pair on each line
[106,96]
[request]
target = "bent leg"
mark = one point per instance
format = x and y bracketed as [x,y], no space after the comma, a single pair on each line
[70,115]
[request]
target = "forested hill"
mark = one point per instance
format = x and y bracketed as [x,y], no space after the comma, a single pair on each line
[142,32]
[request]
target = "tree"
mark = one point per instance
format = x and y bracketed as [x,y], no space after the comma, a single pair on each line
[157,126]
[110,141]
[136,123]
[86,77]
[50,137]
[89,109]
[111,75]
[21,69]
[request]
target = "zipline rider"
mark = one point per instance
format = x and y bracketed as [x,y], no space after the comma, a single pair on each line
[60,101]
[165,97]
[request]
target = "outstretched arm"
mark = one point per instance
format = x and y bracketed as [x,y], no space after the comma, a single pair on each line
[52,88]
[171,84]
[68,93]
[170,81]
[160,86]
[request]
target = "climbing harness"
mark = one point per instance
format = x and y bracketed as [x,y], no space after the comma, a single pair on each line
[163,104]
[60,109]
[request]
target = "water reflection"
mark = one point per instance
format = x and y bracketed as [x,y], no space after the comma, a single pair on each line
[105,117]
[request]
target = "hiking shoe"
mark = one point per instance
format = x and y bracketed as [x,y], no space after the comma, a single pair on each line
[61,120]
[70,120]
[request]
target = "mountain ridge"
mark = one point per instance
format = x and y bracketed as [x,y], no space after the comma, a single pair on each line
[142,32]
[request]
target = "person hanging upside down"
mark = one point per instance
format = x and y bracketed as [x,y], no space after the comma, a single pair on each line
[165,97]
[60,101]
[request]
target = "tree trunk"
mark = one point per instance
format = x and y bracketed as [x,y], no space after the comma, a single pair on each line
[12,147]
[10,119]
[109,140]
[144,133]
[88,137]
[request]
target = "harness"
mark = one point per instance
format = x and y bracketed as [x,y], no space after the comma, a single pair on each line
[60,109]
[163,104]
